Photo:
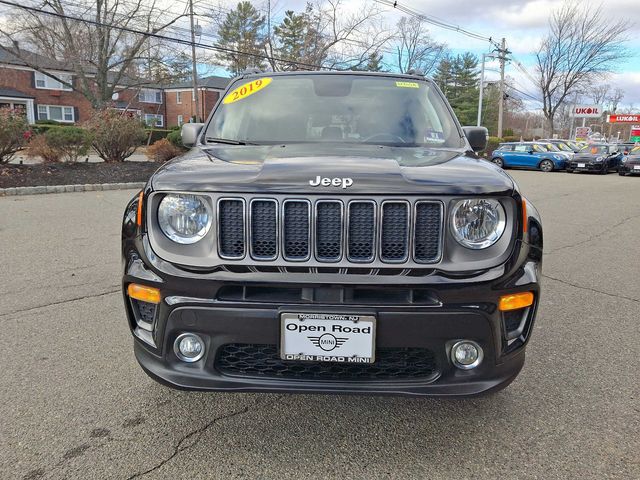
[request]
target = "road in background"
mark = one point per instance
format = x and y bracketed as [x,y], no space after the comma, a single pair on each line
[76,405]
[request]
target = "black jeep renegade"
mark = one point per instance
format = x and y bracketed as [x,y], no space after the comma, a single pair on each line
[332,232]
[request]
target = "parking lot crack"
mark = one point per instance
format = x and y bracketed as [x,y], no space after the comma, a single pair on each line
[61,302]
[594,237]
[582,287]
[190,440]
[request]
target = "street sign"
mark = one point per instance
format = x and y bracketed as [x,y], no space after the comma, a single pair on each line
[624,118]
[582,133]
[586,111]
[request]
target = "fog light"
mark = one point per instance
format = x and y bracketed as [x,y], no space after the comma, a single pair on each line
[466,354]
[189,347]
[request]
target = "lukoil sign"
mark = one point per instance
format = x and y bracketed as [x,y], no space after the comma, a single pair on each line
[586,111]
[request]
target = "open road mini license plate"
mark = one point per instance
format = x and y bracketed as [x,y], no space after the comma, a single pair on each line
[581,165]
[327,337]
[636,167]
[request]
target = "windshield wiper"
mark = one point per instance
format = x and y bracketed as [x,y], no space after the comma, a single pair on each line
[228,141]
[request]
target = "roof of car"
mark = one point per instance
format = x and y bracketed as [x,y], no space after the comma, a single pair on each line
[341,72]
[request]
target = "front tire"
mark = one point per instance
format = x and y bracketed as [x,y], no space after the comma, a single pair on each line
[569,170]
[498,161]
[621,173]
[605,169]
[546,166]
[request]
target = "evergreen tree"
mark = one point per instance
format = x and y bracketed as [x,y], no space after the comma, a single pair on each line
[443,75]
[243,30]
[457,77]
[299,39]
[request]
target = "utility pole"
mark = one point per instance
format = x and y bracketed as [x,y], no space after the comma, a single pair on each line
[502,57]
[194,71]
[480,97]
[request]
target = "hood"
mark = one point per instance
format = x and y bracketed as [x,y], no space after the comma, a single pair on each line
[589,157]
[297,168]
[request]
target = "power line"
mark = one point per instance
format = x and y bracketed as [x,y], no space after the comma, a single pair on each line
[161,37]
[435,21]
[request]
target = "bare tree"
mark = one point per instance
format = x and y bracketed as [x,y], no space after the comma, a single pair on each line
[414,47]
[599,93]
[614,99]
[581,47]
[103,51]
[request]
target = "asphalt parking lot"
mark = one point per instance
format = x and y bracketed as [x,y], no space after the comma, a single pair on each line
[76,405]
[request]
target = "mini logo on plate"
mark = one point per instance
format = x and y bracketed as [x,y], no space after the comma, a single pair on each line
[327,342]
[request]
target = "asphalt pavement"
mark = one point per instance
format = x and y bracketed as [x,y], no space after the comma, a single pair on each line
[75,404]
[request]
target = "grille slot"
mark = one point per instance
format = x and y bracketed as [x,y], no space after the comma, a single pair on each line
[329,231]
[264,229]
[296,232]
[231,235]
[428,223]
[361,234]
[255,360]
[394,238]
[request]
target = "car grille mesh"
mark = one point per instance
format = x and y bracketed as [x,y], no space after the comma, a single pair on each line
[231,225]
[256,360]
[395,225]
[329,231]
[358,231]
[427,234]
[264,229]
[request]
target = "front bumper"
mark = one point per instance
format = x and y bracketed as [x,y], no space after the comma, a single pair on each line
[588,166]
[627,167]
[422,316]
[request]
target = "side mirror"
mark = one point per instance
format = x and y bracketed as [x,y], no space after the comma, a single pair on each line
[190,133]
[531,152]
[477,137]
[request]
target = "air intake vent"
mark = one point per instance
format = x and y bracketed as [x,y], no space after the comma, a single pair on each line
[231,225]
[296,229]
[361,231]
[329,231]
[428,223]
[264,228]
[395,232]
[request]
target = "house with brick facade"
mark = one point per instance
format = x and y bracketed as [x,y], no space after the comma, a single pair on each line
[41,97]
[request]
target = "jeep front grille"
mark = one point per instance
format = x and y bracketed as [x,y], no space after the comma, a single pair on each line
[330,231]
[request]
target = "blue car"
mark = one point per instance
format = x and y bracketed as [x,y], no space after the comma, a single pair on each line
[532,155]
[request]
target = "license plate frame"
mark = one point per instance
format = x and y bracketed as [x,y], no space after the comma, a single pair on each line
[636,167]
[343,338]
[582,165]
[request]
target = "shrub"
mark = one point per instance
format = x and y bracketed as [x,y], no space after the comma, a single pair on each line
[115,136]
[70,141]
[163,150]
[14,132]
[155,134]
[39,147]
[175,138]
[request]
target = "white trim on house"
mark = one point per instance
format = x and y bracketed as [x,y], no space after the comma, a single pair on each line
[44,113]
[150,95]
[45,82]
[159,119]
[179,98]
[27,102]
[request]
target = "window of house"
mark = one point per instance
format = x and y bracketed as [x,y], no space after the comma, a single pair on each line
[180,120]
[149,95]
[46,82]
[153,120]
[178,97]
[56,112]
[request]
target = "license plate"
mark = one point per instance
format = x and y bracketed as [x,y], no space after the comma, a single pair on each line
[636,167]
[581,165]
[328,337]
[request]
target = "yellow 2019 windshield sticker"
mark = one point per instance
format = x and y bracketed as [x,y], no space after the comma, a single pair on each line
[247,89]
[407,85]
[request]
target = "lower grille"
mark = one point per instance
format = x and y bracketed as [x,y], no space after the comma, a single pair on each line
[255,360]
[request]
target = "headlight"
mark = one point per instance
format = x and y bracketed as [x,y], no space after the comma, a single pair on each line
[558,157]
[478,223]
[184,218]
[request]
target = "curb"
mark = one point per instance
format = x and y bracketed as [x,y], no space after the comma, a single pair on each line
[89,187]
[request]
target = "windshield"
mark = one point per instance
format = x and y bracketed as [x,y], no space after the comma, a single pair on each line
[635,151]
[551,147]
[564,147]
[334,108]
[539,148]
[595,149]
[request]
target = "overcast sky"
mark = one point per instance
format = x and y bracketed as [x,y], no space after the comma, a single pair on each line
[523,23]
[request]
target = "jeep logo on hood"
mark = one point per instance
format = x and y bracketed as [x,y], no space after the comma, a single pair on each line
[331,182]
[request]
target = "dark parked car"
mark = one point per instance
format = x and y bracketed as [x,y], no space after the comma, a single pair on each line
[332,232]
[600,158]
[531,155]
[631,163]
